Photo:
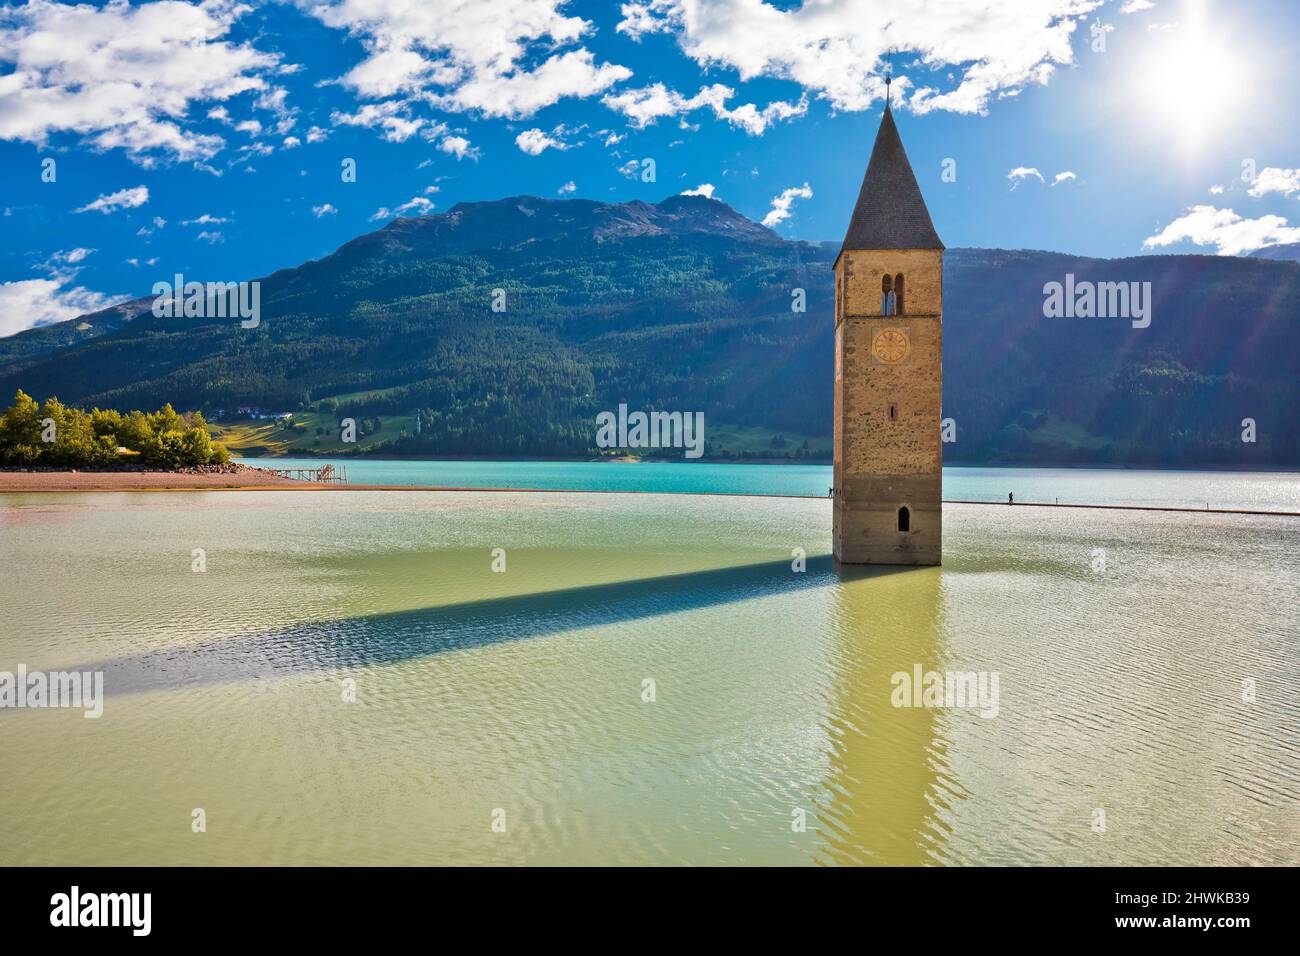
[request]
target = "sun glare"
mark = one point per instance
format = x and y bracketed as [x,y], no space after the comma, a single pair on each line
[1189,81]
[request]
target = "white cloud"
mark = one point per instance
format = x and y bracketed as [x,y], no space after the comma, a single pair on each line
[501,58]
[292,142]
[207,219]
[416,204]
[837,52]
[123,76]
[69,257]
[1216,190]
[1229,233]
[1134,6]
[398,122]
[211,236]
[273,100]
[326,210]
[32,302]
[521,94]
[28,303]
[316,134]
[645,105]
[1271,179]
[781,204]
[393,117]
[703,189]
[645,17]
[122,199]
[459,147]
[534,142]
[1021,173]
[568,188]
[755,121]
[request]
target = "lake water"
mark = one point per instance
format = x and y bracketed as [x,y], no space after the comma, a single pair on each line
[1271,491]
[522,697]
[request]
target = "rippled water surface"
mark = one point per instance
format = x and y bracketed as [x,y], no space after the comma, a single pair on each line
[1120,688]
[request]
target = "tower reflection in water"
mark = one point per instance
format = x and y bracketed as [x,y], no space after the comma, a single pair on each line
[890,783]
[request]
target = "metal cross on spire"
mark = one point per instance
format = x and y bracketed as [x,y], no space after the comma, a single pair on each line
[889,77]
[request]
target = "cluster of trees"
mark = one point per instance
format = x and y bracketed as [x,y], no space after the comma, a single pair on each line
[57,436]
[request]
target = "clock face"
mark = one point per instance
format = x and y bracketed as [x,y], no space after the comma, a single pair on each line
[890,346]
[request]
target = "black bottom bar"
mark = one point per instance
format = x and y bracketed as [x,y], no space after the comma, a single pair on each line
[1178,906]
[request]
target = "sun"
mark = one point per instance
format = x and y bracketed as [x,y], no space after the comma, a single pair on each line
[1189,80]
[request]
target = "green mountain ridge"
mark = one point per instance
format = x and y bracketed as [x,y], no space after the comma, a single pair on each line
[687,305]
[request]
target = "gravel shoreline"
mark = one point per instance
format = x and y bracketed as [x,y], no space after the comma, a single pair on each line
[228,476]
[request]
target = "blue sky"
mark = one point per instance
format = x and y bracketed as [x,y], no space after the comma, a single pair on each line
[209,138]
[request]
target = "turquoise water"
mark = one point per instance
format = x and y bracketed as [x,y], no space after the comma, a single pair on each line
[1269,491]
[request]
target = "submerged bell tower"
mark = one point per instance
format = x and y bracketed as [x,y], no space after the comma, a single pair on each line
[888,369]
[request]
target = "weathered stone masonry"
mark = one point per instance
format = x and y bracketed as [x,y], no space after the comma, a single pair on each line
[888,370]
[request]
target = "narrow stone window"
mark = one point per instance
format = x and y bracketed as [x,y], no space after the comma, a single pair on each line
[904,519]
[898,294]
[886,296]
[893,413]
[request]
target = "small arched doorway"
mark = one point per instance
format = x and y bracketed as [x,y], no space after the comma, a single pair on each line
[904,520]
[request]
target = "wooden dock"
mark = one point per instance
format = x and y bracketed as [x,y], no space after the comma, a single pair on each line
[326,474]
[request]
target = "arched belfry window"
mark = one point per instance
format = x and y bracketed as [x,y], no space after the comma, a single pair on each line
[898,293]
[888,304]
[904,519]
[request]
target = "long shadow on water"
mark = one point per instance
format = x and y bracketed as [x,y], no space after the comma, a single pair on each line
[406,635]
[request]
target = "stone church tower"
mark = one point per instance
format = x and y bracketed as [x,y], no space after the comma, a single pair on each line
[888,369]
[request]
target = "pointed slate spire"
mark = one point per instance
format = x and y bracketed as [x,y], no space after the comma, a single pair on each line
[890,213]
